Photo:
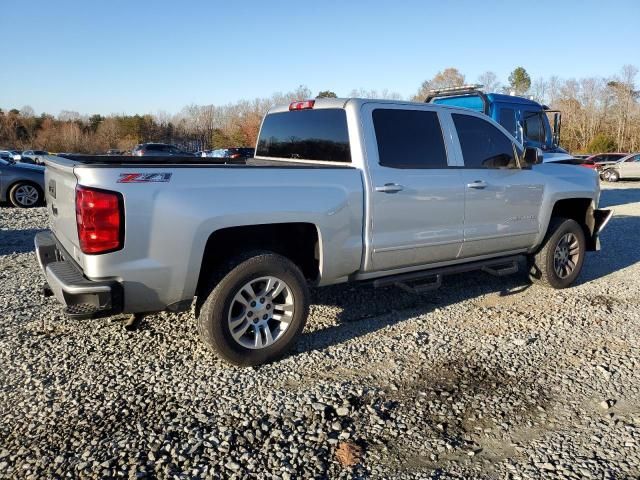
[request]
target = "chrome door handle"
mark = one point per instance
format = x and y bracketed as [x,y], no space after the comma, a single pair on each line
[477,184]
[390,188]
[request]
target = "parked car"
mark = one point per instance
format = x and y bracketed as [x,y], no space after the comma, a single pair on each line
[581,162]
[34,156]
[585,162]
[7,155]
[236,153]
[15,155]
[20,183]
[159,150]
[625,168]
[606,158]
[340,190]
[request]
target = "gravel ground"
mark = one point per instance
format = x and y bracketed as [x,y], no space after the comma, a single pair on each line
[485,378]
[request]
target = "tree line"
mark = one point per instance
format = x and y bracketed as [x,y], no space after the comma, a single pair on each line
[599,114]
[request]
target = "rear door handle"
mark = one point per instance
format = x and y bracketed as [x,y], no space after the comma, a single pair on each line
[479,184]
[390,188]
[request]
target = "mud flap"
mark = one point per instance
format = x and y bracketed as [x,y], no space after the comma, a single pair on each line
[600,219]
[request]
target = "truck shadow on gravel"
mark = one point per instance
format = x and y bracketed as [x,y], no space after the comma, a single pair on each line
[17,241]
[620,196]
[390,305]
[618,249]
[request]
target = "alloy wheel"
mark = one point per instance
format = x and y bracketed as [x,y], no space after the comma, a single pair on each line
[566,255]
[26,195]
[260,312]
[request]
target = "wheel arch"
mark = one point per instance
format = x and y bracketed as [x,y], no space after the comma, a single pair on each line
[300,242]
[580,210]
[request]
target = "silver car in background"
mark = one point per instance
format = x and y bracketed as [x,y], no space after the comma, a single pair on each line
[21,184]
[34,156]
[625,168]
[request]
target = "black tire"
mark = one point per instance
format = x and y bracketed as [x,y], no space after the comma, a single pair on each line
[542,265]
[611,176]
[17,200]
[214,319]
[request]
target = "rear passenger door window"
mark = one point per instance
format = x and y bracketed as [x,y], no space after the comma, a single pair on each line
[482,144]
[409,139]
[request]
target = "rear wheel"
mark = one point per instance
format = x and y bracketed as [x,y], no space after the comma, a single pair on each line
[558,263]
[25,195]
[256,308]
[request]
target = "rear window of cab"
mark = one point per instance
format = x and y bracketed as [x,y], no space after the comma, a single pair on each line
[320,134]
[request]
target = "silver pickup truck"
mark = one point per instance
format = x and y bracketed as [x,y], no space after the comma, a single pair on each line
[340,190]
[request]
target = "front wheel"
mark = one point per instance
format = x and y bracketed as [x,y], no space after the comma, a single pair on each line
[256,308]
[25,195]
[611,176]
[559,261]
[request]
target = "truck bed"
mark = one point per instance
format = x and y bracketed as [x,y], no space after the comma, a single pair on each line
[176,161]
[168,219]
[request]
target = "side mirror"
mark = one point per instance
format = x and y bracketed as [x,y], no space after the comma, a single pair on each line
[532,156]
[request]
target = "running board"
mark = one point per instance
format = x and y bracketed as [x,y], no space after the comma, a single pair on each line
[427,280]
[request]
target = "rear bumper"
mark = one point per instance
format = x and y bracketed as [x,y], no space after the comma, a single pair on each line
[81,297]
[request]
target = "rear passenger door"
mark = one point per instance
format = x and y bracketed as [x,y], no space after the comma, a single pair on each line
[416,200]
[502,201]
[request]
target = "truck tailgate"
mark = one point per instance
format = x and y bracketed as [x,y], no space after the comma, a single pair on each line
[60,183]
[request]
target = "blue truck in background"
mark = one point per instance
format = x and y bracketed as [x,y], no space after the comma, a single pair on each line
[527,120]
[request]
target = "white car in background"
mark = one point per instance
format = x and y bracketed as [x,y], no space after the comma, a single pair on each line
[625,168]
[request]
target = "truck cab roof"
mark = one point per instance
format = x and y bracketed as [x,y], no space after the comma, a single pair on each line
[322,103]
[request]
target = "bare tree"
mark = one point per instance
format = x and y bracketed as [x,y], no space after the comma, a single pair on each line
[490,82]
[27,112]
[449,77]
[624,93]
[384,94]
[539,90]
[69,116]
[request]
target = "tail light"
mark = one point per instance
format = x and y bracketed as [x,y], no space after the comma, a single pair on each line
[305,105]
[100,220]
[235,155]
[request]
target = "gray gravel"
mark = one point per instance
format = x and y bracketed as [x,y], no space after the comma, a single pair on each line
[485,378]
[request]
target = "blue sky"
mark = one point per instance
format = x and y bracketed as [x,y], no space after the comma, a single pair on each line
[141,56]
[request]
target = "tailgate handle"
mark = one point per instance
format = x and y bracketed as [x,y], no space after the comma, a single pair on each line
[54,210]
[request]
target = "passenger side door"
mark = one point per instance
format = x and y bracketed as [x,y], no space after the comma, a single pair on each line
[416,200]
[502,200]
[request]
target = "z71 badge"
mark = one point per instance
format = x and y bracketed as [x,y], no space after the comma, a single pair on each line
[144,177]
